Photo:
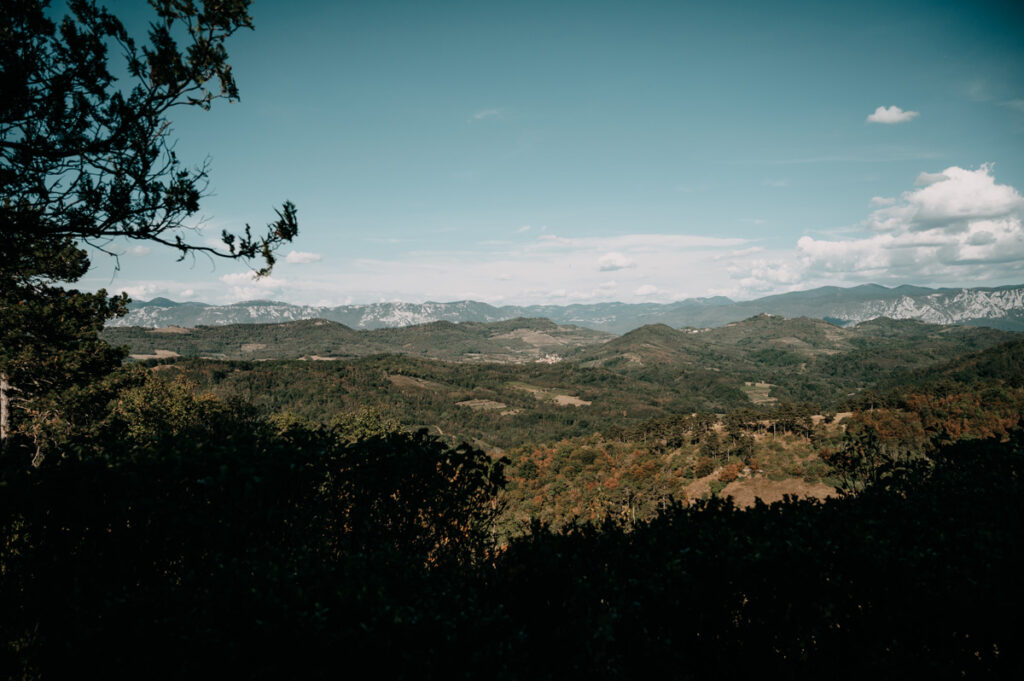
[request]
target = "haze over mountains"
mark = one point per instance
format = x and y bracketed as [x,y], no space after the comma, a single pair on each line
[1001,307]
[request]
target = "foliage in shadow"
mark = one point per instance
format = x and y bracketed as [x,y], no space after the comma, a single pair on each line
[259,550]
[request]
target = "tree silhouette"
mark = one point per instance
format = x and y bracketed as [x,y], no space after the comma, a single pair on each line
[86,158]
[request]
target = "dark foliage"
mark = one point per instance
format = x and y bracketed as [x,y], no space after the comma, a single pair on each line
[227,543]
[246,552]
[917,579]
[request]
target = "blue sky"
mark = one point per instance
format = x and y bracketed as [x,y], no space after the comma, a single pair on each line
[560,152]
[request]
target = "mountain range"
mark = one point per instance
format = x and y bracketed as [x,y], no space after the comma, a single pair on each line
[1001,307]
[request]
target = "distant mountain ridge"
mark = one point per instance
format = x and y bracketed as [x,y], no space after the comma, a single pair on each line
[1001,307]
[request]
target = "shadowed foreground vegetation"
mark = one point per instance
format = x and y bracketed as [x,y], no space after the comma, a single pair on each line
[220,542]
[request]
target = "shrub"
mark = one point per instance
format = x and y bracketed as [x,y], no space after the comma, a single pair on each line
[705,465]
[729,473]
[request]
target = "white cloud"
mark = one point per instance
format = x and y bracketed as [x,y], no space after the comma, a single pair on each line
[154,288]
[925,179]
[763,275]
[892,114]
[138,251]
[636,243]
[486,113]
[238,278]
[302,257]
[524,228]
[960,225]
[777,182]
[933,254]
[246,286]
[609,262]
[606,290]
[948,200]
[141,291]
[646,290]
[740,253]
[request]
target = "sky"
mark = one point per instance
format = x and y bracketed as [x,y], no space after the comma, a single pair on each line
[579,152]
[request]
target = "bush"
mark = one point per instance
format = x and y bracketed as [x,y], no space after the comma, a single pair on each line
[729,473]
[705,465]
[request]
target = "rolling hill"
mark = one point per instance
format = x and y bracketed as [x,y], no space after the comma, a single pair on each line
[511,341]
[502,382]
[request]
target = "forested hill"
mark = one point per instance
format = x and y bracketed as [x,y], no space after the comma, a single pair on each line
[434,375]
[997,307]
[511,341]
[757,343]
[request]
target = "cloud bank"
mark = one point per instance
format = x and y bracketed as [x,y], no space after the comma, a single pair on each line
[951,227]
[959,225]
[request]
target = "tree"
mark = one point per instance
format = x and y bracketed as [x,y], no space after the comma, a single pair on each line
[48,337]
[50,353]
[87,158]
